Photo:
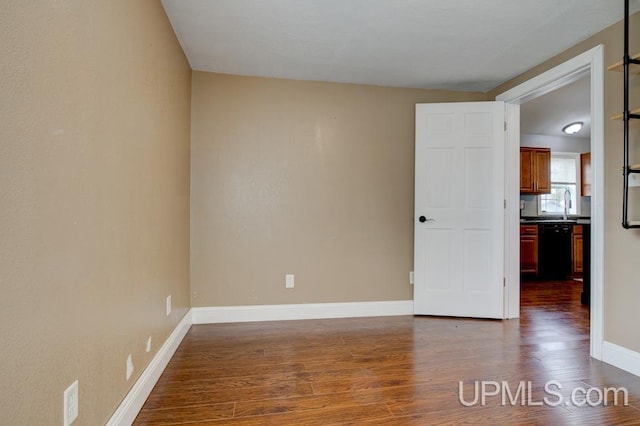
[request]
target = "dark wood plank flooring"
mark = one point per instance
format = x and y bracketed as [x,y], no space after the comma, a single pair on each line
[390,370]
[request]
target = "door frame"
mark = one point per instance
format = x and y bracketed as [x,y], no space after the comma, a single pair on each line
[590,63]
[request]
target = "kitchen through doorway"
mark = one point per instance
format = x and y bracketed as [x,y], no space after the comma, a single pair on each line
[555,201]
[590,62]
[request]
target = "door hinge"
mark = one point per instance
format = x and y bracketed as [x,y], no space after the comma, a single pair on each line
[504,281]
[505,126]
[505,204]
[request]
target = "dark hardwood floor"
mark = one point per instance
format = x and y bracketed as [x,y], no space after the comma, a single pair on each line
[392,370]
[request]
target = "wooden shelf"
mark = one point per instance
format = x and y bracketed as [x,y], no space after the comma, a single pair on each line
[618,66]
[619,116]
[634,223]
[632,168]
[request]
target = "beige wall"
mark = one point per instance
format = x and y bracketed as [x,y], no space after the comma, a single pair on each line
[94,200]
[313,179]
[622,247]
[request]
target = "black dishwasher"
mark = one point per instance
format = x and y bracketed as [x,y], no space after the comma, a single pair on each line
[554,252]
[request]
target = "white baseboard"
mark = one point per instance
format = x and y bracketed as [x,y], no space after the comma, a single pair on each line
[620,357]
[222,314]
[133,402]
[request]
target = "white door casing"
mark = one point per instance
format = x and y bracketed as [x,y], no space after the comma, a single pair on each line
[459,193]
[589,62]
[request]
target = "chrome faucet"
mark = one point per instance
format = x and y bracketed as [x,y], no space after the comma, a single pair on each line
[567,203]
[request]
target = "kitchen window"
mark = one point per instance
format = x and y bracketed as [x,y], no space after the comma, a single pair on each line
[565,184]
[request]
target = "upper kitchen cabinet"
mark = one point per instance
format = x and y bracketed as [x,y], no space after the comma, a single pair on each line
[585,174]
[535,171]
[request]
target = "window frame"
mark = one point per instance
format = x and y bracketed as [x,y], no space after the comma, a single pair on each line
[569,155]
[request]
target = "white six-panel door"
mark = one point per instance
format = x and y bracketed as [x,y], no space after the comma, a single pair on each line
[459,210]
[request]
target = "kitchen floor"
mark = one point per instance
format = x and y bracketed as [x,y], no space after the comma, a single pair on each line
[556,301]
[559,294]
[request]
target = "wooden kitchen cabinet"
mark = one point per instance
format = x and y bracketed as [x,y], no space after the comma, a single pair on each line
[535,170]
[529,249]
[585,174]
[576,250]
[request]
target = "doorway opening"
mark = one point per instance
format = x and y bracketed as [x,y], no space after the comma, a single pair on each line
[587,65]
[555,202]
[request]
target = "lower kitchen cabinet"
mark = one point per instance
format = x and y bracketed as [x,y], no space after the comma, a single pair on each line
[529,249]
[531,259]
[577,250]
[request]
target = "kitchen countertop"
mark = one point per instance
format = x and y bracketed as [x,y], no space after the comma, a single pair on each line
[582,220]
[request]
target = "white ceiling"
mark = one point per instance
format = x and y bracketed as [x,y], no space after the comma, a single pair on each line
[437,44]
[548,114]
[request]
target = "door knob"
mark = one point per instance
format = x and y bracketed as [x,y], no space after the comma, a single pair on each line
[423,219]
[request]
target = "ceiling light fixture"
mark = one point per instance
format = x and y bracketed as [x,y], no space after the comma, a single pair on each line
[573,128]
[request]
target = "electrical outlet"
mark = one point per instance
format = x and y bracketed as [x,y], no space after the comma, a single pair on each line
[168,305]
[289,281]
[411,280]
[148,348]
[129,367]
[71,403]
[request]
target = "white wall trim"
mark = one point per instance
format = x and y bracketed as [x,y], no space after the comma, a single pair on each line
[512,213]
[620,357]
[590,62]
[550,80]
[133,402]
[223,314]
[597,201]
